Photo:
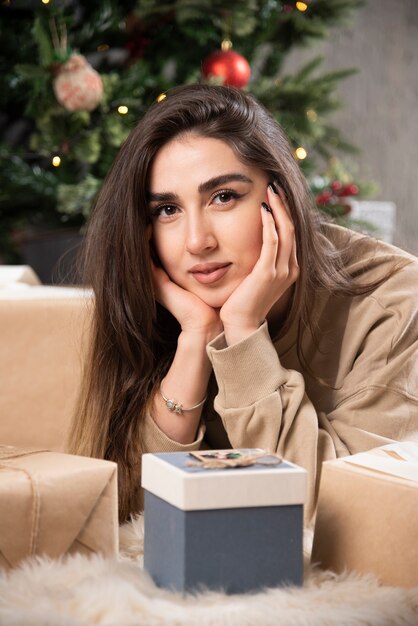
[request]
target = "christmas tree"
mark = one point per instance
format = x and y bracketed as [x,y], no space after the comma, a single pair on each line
[75,77]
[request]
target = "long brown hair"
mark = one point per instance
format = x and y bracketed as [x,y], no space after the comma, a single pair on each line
[132,337]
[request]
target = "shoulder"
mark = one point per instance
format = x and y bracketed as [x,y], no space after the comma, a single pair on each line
[368,259]
[392,300]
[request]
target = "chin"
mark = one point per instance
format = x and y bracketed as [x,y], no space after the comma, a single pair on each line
[214,303]
[214,300]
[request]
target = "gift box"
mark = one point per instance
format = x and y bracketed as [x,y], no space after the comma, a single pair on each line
[43,332]
[237,529]
[53,504]
[367,519]
[17,276]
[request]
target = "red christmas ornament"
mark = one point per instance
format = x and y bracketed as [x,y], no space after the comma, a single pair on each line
[232,67]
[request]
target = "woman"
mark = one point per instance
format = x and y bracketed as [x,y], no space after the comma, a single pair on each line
[227,314]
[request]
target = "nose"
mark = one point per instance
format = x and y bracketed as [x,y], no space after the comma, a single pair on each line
[200,236]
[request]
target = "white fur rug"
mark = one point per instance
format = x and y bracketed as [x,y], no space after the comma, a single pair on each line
[79,591]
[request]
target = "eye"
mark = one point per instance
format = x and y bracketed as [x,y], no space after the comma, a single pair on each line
[164,212]
[225,196]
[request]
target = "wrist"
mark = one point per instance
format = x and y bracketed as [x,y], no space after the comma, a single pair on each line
[235,334]
[201,337]
[176,407]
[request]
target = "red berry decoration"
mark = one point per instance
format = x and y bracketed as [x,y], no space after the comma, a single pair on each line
[349,190]
[232,67]
[324,197]
[336,186]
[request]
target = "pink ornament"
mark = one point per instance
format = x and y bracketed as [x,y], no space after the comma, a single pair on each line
[78,87]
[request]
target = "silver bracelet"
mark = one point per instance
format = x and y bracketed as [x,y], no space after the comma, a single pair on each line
[176,407]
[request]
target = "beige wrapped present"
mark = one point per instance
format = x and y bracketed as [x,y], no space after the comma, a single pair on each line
[43,333]
[17,275]
[53,504]
[367,518]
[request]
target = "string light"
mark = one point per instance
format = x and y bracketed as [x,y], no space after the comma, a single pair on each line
[226,45]
[161,97]
[122,109]
[311,115]
[56,161]
[301,6]
[301,153]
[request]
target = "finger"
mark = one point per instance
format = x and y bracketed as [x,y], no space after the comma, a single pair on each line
[285,229]
[270,241]
[278,201]
[279,194]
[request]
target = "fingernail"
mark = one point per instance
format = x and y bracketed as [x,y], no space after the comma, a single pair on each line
[266,207]
[273,188]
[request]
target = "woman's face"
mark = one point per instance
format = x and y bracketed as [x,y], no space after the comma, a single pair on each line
[206,222]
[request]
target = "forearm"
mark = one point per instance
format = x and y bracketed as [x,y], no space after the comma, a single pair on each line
[186,382]
[264,405]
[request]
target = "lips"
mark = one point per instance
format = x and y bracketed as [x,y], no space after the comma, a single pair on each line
[207,273]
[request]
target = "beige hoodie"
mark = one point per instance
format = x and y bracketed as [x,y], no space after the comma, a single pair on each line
[366,351]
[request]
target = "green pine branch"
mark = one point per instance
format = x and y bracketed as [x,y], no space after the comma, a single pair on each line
[163,45]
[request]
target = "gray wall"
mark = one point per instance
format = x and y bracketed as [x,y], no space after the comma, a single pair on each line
[380,114]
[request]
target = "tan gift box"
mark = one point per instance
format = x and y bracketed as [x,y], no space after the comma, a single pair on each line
[43,335]
[53,503]
[367,518]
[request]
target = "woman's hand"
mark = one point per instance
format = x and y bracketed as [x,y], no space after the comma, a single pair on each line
[187,379]
[193,315]
[274,273]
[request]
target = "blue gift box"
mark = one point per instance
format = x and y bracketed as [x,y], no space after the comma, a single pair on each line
[235,530]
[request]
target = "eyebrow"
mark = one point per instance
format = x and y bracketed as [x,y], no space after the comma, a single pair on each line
[208,185]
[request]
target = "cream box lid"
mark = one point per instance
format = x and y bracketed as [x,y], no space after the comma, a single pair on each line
[170,476]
